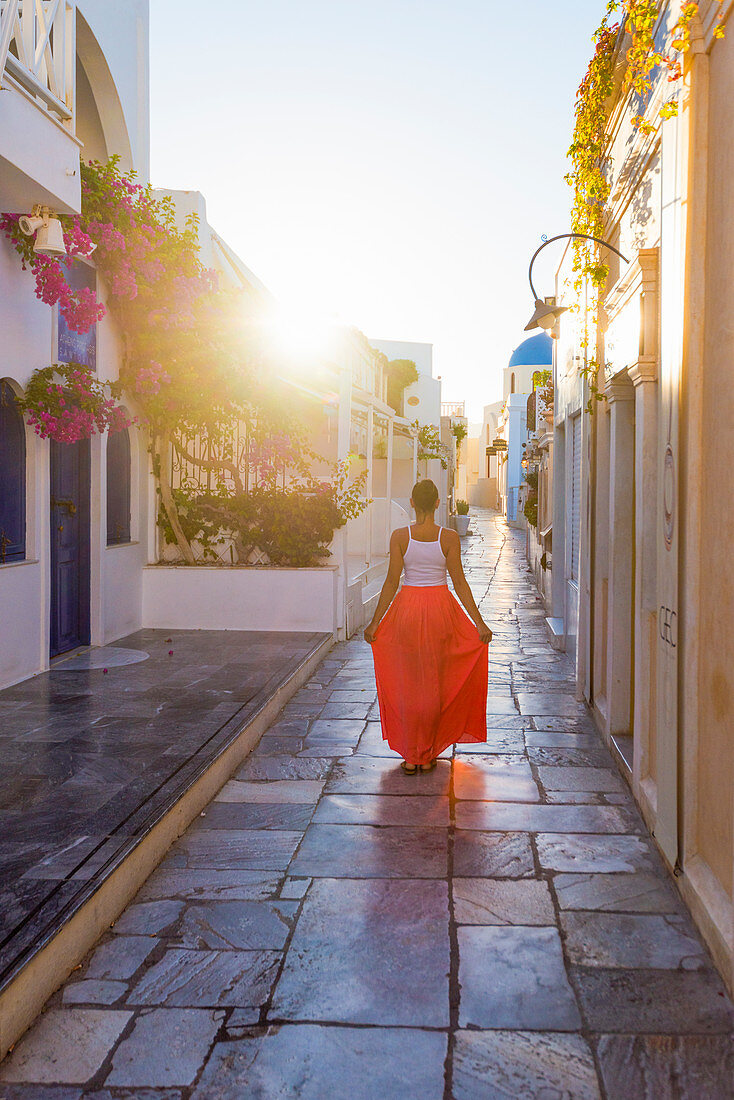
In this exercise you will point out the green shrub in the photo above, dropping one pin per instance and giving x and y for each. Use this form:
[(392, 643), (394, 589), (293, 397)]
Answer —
[(462, 508)]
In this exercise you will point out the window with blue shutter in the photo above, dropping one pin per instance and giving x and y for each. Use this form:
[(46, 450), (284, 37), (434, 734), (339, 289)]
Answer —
[(118, 487), (12, 477)]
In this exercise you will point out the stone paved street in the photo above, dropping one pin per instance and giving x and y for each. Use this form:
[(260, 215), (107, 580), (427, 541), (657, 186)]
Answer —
[(499, 928)]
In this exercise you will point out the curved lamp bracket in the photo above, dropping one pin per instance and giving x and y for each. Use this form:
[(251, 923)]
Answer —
[(564, 236)]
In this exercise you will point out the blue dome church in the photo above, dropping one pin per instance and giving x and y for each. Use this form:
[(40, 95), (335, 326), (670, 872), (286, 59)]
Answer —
[(535, 353)]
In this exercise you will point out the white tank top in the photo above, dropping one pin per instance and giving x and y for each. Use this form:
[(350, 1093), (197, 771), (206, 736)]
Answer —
[(424, 562)]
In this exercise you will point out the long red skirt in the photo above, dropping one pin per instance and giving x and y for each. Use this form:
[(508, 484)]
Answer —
[(431, 671)]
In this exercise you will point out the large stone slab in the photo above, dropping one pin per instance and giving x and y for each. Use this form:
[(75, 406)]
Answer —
[(626, 893), (492, 855), (475, 778), (207, 979), (234, 926), (505, 816), (284, 790), (667, 1067), (580, 779), (65, 1046), (93, 992), (502, 901), (167, 1047), (369, 952), (378, 775), (365, 851), (505, 1065), (283, 769), (238, 850), (600, 854), (313, 1063), (646, 940), (210, 885), (120, 957), (550, 703), (514, 978), (371, 809), (292, 817), (654, 1001)]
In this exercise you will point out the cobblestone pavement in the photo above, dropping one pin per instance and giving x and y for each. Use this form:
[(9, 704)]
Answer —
[(499, 928)]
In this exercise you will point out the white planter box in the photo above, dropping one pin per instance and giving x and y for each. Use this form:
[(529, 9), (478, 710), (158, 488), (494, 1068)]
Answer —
[(202, 597), (462, 525)]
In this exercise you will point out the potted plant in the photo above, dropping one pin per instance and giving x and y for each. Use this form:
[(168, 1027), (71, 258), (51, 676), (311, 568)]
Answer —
[(462, 517)]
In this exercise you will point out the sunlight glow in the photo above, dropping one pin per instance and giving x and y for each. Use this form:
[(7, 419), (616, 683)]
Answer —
[(300, 340)]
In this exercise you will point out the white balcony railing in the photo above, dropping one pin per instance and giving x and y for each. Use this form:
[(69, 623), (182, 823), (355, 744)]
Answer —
[(38, 52)]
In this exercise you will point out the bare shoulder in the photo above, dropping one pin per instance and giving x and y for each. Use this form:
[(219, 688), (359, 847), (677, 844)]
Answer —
[(450, 539), (399, 539)]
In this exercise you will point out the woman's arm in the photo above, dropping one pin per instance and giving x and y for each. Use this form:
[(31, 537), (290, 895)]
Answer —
[(389, 588), (461, 585)]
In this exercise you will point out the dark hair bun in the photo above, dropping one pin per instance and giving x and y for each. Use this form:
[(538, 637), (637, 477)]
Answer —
[(425, 495)]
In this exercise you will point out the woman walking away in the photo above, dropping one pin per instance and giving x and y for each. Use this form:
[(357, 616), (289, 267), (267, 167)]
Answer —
[(431, 661)]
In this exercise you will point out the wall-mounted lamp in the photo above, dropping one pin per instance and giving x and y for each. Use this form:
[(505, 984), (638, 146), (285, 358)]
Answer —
[(547, 313), (48, 231)]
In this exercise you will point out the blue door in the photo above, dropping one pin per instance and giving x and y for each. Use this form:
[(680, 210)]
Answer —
[(69, 546)]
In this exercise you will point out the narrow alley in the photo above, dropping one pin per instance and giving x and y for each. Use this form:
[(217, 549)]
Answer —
[(501, 927)]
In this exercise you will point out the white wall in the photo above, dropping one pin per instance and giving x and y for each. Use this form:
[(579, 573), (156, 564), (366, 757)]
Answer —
[(211, 598), (121, 65)]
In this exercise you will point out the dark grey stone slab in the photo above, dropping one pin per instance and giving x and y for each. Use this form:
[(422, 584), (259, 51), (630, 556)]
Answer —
[(655, 1001), (370, 809), (313, 1063), (249, 815), (93, 992), (625, 893), (167, 1047), (492, 855), (544, 818), (342, 711), (560, 739), (667, 1067), (369, 952), (340, 728), (272, 792), (228, 850), (564, 757), (207, 979), (580, 779), (550, 703), (234, 926), (502, 901), (66, 1046), (514, 978), (120, 957), (365, 851), (259, 768), (628, 940), (355, 695), (505, 1065), (600, 854), (210, 885), (149, 918), (376, 775)]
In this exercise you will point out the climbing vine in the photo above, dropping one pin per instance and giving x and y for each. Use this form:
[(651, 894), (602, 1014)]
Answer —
[(645, 59)]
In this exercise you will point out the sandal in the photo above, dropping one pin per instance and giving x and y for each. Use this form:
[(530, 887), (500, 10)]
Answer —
[(428, 767), (409, 769)]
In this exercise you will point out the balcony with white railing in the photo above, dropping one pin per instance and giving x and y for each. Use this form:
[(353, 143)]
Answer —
[(39, 153)]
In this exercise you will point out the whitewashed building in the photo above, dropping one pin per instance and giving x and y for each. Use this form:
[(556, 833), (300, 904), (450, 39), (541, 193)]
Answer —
[(74, 84), (643, 520)]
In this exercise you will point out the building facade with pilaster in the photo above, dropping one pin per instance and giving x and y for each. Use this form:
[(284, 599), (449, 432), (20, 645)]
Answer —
[(643, 523)]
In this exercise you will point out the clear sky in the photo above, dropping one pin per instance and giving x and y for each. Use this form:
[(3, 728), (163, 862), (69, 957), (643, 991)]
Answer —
[(390, 164)]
